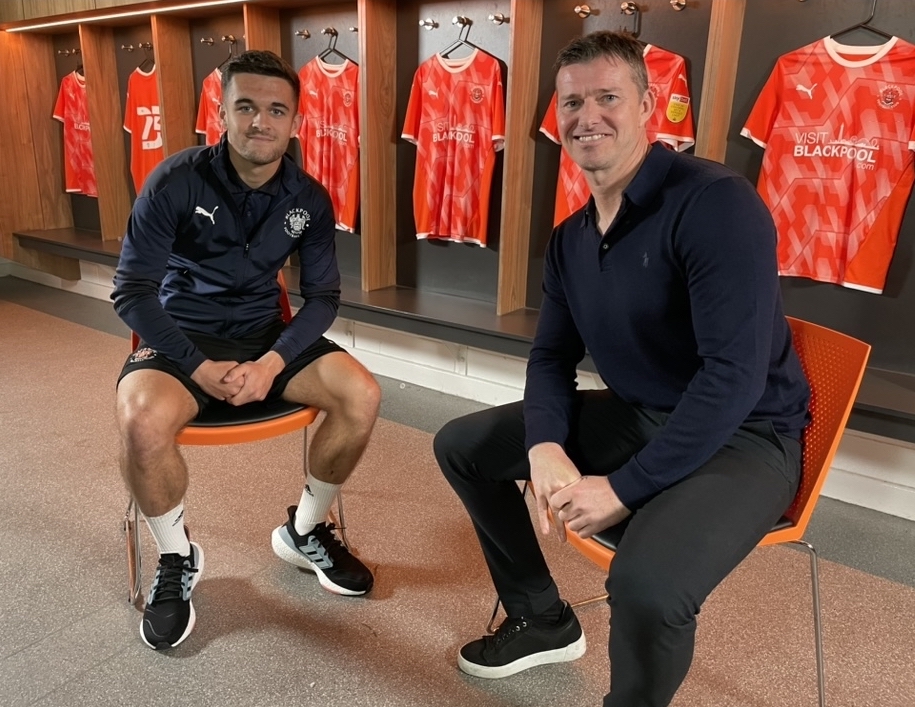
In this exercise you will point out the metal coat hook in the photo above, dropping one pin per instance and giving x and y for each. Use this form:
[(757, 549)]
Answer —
[(70, 52), (630, 8), (127, 47), (680, 4), (428, 23), (583, 11), (233, 45), (303, 33), (498, 18), (147, 46), (207, 40), (332, 43), (465, 23), (353, 29)]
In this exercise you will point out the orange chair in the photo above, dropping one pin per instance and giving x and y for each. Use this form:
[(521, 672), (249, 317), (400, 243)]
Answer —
[(227, 425), (834, 364)]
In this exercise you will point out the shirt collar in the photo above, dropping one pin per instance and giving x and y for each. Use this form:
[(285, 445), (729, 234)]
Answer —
[(646, 183), (227, 173)]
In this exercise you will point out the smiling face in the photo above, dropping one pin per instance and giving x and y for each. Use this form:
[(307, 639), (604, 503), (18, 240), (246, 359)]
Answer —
[(261, 116), (602, 114)]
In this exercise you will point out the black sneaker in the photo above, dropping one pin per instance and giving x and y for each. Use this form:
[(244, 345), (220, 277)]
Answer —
[(320, 551), (169, 616), (522, 643)]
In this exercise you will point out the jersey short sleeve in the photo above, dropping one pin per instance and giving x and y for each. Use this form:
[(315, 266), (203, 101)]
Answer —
[(329, 135), (456, 119), (72, 109), (141, 120), (208, 123), (837, 124)]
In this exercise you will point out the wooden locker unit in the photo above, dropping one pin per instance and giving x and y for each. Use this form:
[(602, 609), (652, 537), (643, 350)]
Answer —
[(389, 43), (378, 51), (106, 118), (171, 37)]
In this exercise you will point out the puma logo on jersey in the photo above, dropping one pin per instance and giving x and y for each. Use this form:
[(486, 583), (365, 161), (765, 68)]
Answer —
[(312, 92), (433, 93), (804, 89), (681, 77), (208, 214)]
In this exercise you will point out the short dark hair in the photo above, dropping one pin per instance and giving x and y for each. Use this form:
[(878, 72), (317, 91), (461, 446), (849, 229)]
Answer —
[(621, 46), (262, 63)]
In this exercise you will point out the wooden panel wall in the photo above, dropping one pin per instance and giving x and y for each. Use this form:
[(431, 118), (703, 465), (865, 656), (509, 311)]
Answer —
[(171, 38), (11, 11), (44, 8), (378, 131), (107, 120), (20, 196), (262, 28), (521, 113), (47, 147), (720, 76)]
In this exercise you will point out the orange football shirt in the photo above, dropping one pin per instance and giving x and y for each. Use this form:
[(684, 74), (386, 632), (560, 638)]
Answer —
[(208, 123), (671, 123), (72, 109), (456, 119), (141, 120), (838, 127), (329, 136)]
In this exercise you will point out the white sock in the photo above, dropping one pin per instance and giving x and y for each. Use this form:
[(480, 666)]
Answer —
[(168, 530), (317, 498)]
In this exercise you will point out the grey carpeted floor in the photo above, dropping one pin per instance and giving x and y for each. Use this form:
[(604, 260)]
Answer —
[(268, 635)]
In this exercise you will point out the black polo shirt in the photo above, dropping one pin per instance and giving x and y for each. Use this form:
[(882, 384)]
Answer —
[(679, 305)]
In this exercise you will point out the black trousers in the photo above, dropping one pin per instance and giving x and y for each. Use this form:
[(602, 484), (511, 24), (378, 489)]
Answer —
[(674, 551)]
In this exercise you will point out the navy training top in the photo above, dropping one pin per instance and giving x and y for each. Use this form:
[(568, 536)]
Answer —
[(202, 253), (680, 308)]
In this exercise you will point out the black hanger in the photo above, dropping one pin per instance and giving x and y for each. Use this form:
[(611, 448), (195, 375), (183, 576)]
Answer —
[(148, 63), (864, 25), (332, 46), (233, 45), (461, 41)]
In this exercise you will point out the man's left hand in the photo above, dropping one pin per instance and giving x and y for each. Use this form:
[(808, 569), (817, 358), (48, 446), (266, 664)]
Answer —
[(588, 506), (258, 377)]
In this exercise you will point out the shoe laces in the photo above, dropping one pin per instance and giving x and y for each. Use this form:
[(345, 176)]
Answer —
[(509, 629), (172, 578), (324, 533)]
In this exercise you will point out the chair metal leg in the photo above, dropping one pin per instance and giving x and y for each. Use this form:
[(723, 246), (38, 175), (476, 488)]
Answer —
[(817, 624), (134, 560), (341, 526), (592, 600)]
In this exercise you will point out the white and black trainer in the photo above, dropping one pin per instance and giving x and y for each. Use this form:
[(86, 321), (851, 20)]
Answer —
[(169, 615), (319, 551)]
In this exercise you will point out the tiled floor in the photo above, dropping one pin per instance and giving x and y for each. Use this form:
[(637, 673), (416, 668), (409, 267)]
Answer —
[(267, 635)]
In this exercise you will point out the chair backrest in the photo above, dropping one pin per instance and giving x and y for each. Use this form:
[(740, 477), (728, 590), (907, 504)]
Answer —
[(834, 364), (285, 309)]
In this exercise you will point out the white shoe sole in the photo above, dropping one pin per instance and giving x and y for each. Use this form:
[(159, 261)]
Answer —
[(192, 619), (294, 557), (573, 651)]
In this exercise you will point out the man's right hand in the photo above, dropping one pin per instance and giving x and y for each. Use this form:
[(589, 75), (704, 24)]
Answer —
[(551, 470), (210, 375)]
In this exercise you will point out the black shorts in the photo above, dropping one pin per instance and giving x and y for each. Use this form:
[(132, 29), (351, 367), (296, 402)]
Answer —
[(248, 348)]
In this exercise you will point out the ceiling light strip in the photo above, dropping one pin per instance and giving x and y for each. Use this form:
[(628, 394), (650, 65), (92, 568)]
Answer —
[(127, 13)]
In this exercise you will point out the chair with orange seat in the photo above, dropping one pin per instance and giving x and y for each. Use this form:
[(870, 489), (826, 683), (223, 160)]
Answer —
[(223, 425), (834, 364)]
